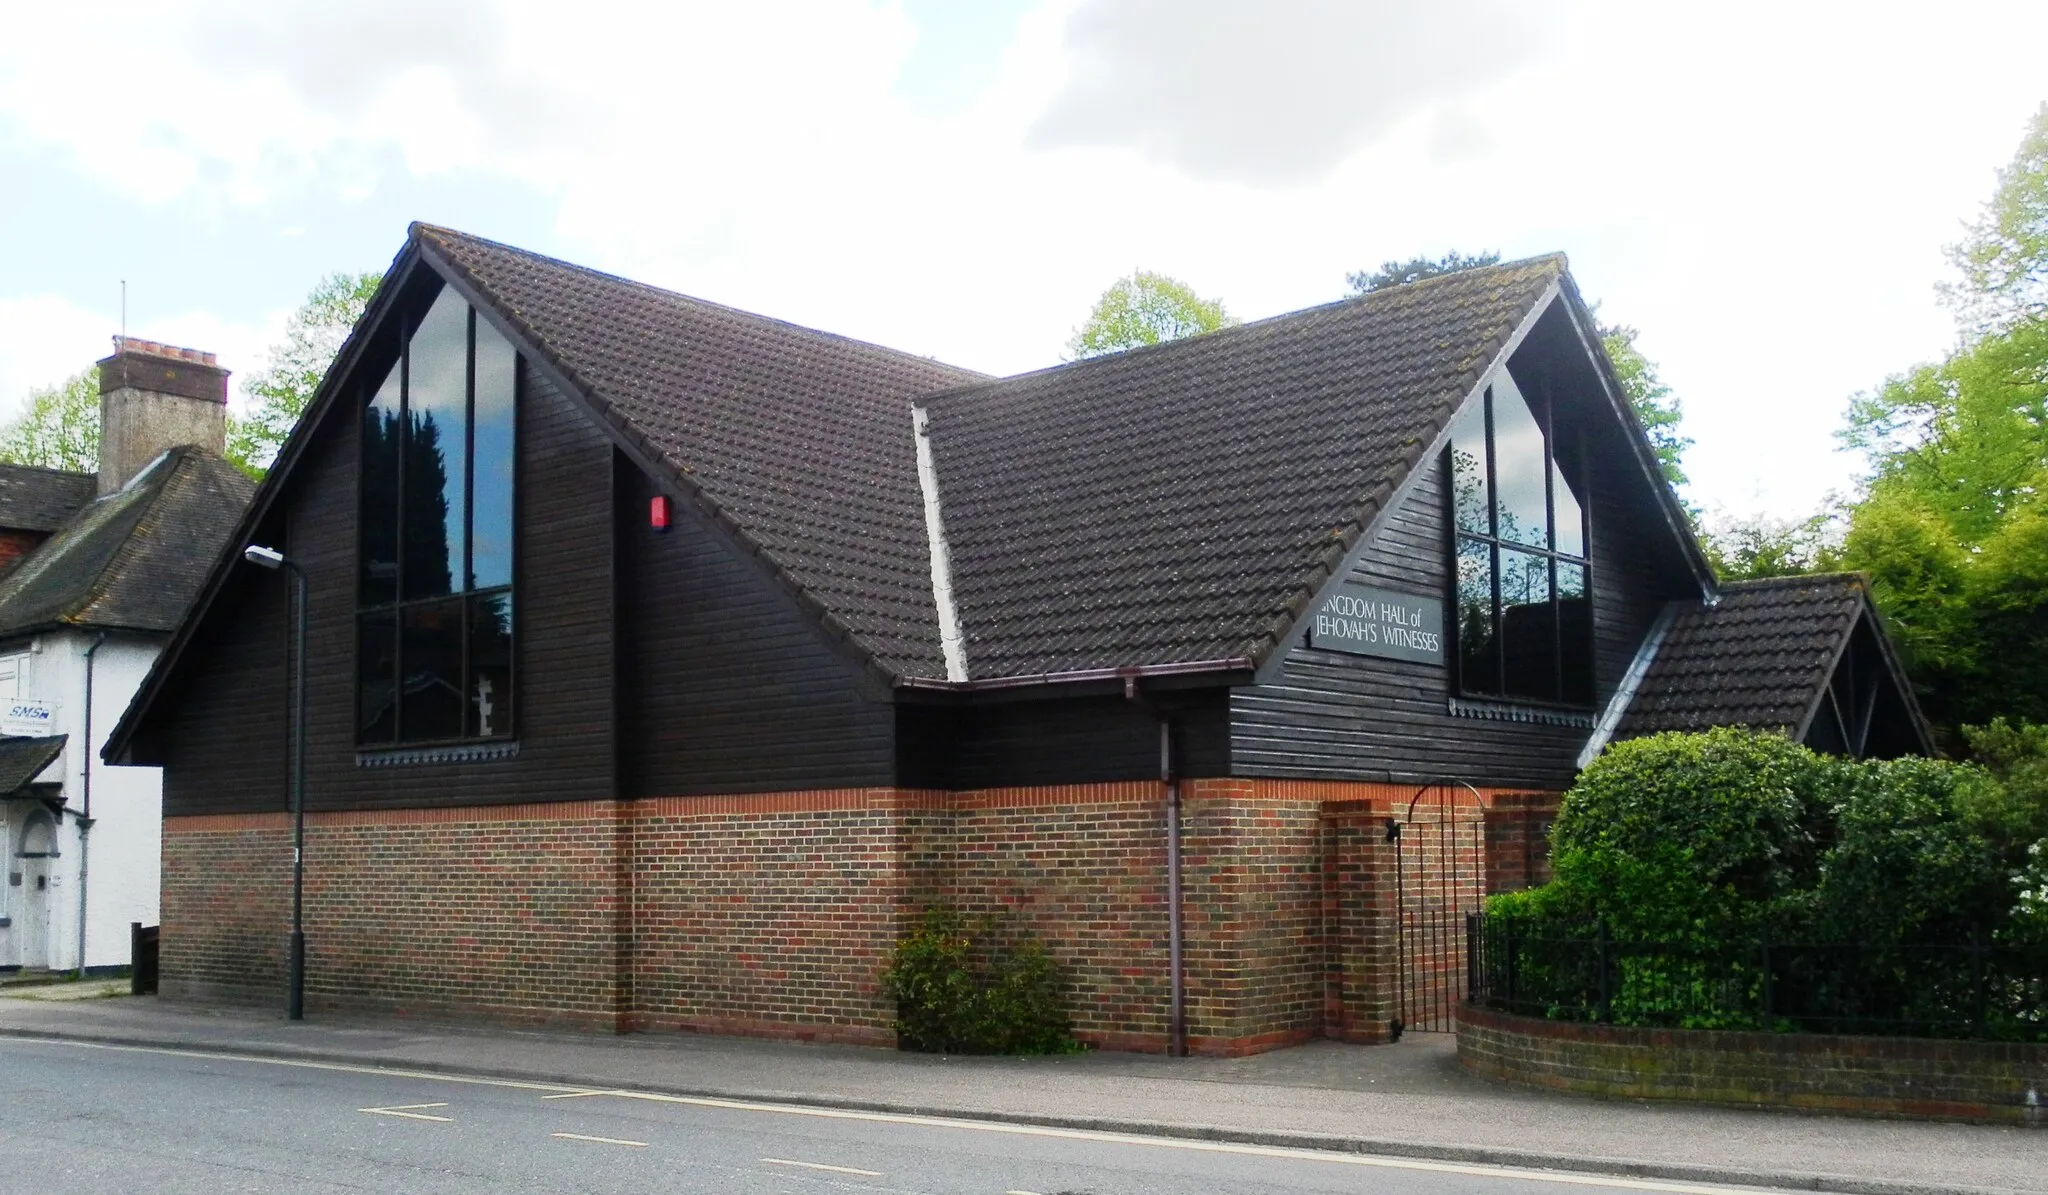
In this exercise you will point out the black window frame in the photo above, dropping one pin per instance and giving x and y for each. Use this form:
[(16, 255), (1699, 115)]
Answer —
[(461, 574), (1495, 688)]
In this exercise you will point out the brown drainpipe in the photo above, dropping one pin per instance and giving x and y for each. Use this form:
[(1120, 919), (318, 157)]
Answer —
[(1177, 1025)]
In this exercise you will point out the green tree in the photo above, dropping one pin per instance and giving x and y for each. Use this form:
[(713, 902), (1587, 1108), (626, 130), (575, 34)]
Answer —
[(1750, 549), (2004, 258), (1952, 524), (280, 392), (1146, 308), (59, 428), (1415, 269), (1655, 405)]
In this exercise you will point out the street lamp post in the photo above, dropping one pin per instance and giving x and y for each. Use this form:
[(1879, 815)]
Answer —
[(295, 990)]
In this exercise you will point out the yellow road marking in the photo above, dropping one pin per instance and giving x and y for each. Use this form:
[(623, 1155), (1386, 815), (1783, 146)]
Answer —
[(823, 1166), (404, 1110), (599, 1140), (979, 1126)]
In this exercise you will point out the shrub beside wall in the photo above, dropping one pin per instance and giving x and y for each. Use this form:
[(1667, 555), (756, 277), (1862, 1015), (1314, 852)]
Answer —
[(960, 988)]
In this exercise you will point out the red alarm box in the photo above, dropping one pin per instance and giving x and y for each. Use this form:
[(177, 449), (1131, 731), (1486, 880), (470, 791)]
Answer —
[(657, 512)]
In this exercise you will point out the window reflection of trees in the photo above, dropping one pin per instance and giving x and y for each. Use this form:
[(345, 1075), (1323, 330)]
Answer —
[(1524, 621), (435, 622)]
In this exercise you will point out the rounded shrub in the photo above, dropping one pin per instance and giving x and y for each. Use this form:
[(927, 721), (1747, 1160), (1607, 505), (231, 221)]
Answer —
[(961, 988), (1690, 837)]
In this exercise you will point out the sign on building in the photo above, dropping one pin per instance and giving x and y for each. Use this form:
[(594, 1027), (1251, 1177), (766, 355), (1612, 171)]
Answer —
[(1365, 621), (27, 716)]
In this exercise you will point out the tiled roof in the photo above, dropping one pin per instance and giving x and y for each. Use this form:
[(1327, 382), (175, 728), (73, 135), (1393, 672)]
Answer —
[(1756, 659), (33, 499), (21, 760), (1172, 504), (800, 441), (135, 558), (1183, 502)]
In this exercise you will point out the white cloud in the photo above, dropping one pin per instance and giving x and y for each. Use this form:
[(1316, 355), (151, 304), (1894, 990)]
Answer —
[(45, 340), (1762, 188), (1278, 92)]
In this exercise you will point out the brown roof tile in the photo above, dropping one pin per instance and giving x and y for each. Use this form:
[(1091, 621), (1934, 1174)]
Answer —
[(1757, 658)]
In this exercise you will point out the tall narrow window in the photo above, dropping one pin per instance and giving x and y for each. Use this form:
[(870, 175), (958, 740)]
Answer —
[(1524, 621), (434, 655)]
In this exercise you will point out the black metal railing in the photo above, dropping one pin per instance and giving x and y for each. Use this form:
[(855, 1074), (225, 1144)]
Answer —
[(1971, 989)]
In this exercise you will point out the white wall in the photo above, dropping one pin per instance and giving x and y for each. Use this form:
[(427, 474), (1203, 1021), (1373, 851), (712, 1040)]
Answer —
[(124, 859)]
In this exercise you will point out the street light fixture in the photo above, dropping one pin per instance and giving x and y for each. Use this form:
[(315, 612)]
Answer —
[(295, 991)]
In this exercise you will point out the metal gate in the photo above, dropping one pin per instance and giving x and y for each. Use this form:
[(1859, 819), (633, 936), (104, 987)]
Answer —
[(1439, 877)]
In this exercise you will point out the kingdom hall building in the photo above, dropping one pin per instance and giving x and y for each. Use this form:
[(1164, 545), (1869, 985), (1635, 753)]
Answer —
[(666, 661)]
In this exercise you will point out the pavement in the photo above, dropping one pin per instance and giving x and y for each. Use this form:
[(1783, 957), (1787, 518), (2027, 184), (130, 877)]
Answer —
[(1409, 1100)]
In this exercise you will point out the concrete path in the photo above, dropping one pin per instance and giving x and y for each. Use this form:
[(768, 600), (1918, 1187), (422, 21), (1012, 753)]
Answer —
[(1406, 1100)]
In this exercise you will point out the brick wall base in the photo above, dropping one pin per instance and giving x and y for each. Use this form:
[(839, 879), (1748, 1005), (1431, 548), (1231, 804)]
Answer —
[(1877, 1076), (775, 914)]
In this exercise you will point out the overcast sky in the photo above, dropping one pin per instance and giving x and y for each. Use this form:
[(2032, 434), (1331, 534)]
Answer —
[(1764, 190)]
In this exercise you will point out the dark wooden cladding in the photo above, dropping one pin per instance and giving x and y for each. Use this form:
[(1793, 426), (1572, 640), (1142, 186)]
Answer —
[(1087, 740), (725, 684), (563, 607), (1330, 715), (225, 743)]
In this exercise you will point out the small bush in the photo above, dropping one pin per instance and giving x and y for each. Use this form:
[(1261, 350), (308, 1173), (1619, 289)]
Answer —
[(959, 989)]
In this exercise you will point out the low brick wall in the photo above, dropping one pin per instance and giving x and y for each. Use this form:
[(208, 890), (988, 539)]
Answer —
[(1878, 1076)]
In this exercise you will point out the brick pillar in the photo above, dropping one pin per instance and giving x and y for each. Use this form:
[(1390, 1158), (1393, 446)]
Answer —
[(1518, 840), (1359, 907)]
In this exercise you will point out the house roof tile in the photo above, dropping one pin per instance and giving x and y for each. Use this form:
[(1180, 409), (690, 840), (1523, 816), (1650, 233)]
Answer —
[(135, 558), (22, 760), (36, 499)]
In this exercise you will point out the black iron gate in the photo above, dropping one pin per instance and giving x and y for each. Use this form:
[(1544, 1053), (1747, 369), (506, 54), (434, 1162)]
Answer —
[(1439, 878)]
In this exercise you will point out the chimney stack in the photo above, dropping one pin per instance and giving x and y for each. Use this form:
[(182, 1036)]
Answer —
[(155, 397)]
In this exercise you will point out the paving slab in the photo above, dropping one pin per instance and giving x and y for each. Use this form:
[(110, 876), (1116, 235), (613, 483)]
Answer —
[(1409, 1099)]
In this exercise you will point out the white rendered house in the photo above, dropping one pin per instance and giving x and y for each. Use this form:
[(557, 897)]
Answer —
[(95, 572)]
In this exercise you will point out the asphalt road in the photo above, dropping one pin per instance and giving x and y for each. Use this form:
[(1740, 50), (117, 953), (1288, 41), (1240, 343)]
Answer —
[(84, 1118)]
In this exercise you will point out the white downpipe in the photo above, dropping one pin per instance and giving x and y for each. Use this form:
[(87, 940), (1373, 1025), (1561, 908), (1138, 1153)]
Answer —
[(951, 643)]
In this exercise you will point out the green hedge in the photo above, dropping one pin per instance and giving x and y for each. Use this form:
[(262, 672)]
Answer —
[(1702, 839), (1690, 852)]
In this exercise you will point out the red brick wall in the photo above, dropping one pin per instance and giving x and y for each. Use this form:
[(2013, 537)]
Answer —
[(226, 907), (1518, 840), (770, 914), (510, 911), (1885, 1076), (1084, 868), (775, 913), (16, 544)]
